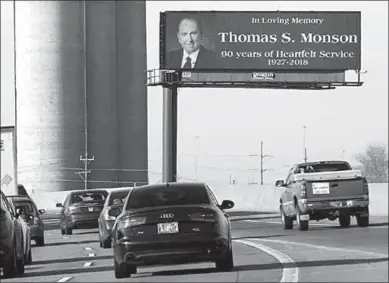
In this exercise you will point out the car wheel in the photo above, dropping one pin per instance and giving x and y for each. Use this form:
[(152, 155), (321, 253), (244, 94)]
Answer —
[(344, 220), (227, 263), (20, 263), (124, 270), (363, 218), (9, 269), (29, 257), (106, 244), (302, 225), (40, 241), (287, 222), (68, 231)]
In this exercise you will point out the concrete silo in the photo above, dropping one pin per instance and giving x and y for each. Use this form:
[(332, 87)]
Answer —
[(51, 104), (50, 87), (132, 91), (102, 92)]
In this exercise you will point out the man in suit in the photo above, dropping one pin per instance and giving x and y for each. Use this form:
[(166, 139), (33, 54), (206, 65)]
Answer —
[(192, 55)]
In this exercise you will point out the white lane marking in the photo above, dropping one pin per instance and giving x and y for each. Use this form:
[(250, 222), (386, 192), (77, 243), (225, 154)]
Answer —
[(64, 279), (91, 255), (64, 237), (289, 274), (313, 224), (321, 247), (275, 222), (87, 264), (88, 248), (48, 234)]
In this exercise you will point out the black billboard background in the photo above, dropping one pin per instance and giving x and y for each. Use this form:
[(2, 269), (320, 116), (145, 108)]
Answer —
[(241, 22)]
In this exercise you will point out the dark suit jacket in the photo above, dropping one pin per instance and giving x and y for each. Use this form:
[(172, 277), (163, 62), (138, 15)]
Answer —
[(205, 60)]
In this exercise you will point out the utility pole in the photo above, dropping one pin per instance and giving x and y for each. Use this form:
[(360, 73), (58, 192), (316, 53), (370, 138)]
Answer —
[(262, 157), (86, 160), (304, 146), (84, 174)]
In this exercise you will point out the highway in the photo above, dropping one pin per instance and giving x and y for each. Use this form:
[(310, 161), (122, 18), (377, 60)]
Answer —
[(263, 252)]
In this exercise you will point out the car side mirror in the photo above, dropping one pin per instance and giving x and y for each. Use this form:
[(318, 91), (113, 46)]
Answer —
[(59, 205), (227, 204), (280, 183), (114, 212), (41, 211)]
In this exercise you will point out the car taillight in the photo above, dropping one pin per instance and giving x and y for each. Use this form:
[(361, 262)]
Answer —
[(365, 187), (303, 191), (107, 216), (128, 222), (203, 216), (74, 210), (35, 220)]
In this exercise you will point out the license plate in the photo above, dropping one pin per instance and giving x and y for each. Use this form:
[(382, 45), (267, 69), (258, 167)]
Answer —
[(321, 188), (168, 228)]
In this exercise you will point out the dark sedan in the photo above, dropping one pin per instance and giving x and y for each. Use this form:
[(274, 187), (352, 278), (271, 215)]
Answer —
[(81, 209), (115, 200), (173, 223), (32, 215), (11, 240)]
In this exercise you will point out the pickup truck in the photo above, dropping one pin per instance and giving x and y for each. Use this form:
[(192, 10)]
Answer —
[(324, 189)]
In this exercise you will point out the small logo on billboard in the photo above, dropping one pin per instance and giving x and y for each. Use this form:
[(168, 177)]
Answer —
[(263, 76), (186, 75), (6, 180)]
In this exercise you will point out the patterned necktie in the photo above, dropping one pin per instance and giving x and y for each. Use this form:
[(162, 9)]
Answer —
[(188, 63)]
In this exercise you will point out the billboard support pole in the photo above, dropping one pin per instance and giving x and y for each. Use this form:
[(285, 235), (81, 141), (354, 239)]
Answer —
[(169, 155)]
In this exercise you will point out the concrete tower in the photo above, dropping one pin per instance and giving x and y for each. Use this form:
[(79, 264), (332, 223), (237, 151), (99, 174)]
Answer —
[(56, 121)]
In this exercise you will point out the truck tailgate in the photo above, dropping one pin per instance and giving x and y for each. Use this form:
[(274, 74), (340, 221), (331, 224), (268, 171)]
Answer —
[(335, 189)]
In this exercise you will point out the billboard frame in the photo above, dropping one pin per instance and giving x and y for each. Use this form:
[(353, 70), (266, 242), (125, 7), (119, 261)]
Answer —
[(173, 78)]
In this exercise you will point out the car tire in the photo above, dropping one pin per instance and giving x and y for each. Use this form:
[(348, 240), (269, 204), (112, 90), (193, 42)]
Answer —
[(302, 225), (20, 264), (363, 220), (124, 270), (62, 231), (344, 220), (287, 221), (106, 244), (29, 258), (68, 231), (227, 263), (9, 270), (40, 241)]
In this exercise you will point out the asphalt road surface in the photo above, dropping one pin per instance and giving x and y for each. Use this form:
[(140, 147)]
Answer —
[(263, 252)]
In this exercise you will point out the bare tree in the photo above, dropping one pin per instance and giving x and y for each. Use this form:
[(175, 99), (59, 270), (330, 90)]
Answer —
[(374, 163)]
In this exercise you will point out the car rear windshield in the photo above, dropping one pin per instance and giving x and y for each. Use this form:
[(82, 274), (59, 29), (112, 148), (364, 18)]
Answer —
[(324, 167), (118, 198), (89, 197), (165, 196), (25, 205)]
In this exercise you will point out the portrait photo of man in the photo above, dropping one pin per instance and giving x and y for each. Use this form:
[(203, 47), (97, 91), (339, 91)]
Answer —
[(192, 54)]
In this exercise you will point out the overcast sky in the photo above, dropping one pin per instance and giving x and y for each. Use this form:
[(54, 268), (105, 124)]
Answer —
[(234, 121), (230, 123)]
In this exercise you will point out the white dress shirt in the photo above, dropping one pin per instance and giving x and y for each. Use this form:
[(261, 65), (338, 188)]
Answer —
[(192, 56)]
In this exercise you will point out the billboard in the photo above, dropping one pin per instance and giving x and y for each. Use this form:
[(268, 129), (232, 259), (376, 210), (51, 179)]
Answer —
[(273, 41)]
